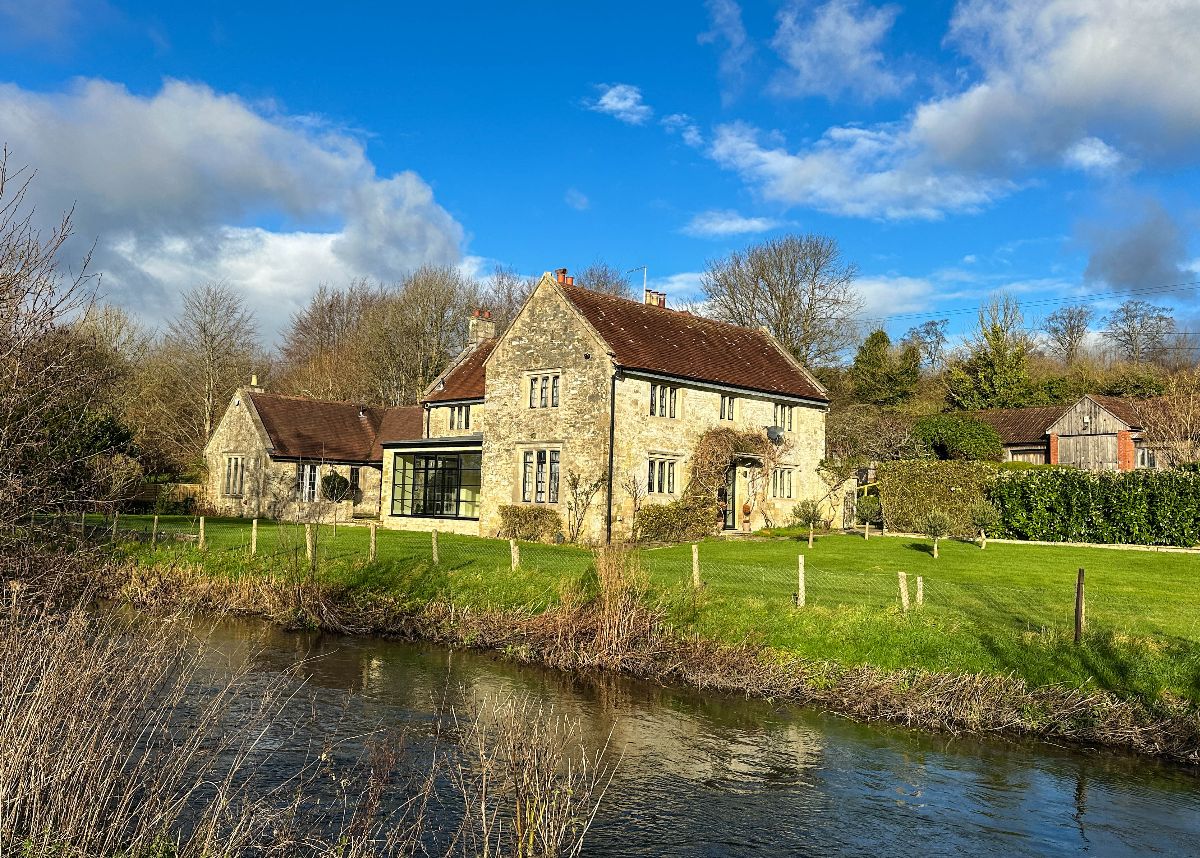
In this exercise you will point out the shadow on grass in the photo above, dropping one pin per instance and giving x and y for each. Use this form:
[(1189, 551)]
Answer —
[(923, 547)]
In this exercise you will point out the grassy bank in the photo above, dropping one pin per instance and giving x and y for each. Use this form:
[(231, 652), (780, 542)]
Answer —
[(1004, 612)]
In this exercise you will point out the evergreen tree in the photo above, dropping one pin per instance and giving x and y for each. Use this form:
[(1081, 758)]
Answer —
[(883, 375), (995, 372)]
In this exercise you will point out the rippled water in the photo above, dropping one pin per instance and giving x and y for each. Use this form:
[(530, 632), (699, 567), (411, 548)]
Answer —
[(716, 775)]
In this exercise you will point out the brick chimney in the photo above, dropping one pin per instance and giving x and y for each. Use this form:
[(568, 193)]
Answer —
[(480, 326), (560, 274), (254, 388), (656, 299)]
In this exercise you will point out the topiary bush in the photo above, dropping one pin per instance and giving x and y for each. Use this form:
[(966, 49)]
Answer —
[(956, 436), (335, 487), (530, 523), (909, 490), (868, 510), (677, 521)]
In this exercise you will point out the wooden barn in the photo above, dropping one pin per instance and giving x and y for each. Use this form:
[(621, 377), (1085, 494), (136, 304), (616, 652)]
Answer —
[(1097, 433)]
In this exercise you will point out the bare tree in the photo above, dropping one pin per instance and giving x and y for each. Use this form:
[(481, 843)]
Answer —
[(55, 438), (580, 494), (210, 348), (1139, 329), (318, 346), (410, 336), (930, 340), (797, 286), (602, 277), (1066, 328), (505, 292), (1171, 422)]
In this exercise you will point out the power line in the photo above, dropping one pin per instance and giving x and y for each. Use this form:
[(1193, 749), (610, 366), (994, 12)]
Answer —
[(1038, 302)]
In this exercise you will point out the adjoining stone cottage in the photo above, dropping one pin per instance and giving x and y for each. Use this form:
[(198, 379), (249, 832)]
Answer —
[(269, 454), (617, 393)]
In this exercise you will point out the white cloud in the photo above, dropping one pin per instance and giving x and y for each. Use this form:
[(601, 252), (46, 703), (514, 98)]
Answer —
[(726, 222), (833, 50), (1053, 81), (887, 295), (623, 101), (1092, 155), (738, 50), (681, 288), (576, 199), (685, 127), (188, 185)]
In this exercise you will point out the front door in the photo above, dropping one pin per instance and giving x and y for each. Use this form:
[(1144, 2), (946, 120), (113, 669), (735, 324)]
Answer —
[(727, 500)]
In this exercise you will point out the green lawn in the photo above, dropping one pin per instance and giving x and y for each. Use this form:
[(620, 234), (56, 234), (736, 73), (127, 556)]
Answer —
[(1007, 609)]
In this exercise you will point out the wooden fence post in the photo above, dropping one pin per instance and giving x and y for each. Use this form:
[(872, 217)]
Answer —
[(866, 530), (253, 536), (116, 518), (903, 577), (1079, 606), (435, 547), (83, 523), (696, 566), (154, 533), (310, 546), (201, 542), (800, 594), (515, 551), (920, 591), (371, 550)]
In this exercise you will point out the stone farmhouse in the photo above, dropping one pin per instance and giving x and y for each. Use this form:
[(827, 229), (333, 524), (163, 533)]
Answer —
[(269, 453), (613, 392), (610, 391), (1097, 433)]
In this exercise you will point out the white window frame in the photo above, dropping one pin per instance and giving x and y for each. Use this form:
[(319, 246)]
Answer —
[(727, 401), (783, 416), (781, 483), (308, 481), (460, 417), (235, 476)]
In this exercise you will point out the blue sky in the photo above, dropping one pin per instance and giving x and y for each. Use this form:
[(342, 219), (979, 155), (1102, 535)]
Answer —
[(1048, 148)]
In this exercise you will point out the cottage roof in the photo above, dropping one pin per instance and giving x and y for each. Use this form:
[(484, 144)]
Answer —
[(1022, 425), (674, 343), (301, 428), (464, 378)]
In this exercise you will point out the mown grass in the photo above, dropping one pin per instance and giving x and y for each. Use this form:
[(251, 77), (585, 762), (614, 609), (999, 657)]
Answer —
[(1007, 609)]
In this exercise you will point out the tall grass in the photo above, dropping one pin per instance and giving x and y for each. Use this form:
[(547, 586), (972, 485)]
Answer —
[(120, 737)]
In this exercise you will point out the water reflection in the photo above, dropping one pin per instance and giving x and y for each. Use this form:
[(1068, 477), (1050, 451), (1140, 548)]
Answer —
[(704, 775)]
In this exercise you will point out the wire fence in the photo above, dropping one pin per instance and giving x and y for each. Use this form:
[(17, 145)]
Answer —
[(1025, 589)]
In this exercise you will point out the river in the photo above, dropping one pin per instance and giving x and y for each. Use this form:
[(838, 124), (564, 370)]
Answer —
[(704, 774)]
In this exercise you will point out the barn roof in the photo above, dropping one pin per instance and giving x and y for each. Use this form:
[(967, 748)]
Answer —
[(1022, 425)]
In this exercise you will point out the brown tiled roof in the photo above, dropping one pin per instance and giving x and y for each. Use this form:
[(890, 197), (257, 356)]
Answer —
[(1123, 409), (465, 379), (302, 428), (665, 341), (1022, 425), (398, 424)]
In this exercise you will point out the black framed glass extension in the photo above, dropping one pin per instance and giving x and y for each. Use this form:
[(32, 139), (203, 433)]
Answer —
[(436, 485)]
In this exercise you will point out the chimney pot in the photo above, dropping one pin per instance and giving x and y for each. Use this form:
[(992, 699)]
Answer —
[(560, 274), (570, 281)]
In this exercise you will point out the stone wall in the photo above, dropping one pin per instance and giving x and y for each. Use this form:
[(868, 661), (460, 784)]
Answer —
[(547, 337), (641, 436), (439, 421)]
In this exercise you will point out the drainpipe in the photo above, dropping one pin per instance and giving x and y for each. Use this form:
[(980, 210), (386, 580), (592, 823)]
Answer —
[(612, 428)]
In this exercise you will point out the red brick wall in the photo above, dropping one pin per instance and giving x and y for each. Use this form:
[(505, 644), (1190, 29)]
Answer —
[(1053, 449), (1125, 451)]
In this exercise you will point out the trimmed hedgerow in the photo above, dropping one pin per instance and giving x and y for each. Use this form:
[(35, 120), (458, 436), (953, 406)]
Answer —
[(909, 490), (956, 436), (1067, 505), (683, 520), (530, 523)]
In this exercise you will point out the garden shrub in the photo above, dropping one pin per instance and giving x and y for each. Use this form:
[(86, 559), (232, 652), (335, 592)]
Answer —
[(908, 490), (530, 523), (868, 510), (956, 436), (677, 521), (335, 487), (1068, 505)]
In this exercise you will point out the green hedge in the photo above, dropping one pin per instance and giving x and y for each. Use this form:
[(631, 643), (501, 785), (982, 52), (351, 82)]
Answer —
[(530, 523), (956, 436), (1067, 505), (677, 521), (909, 490)]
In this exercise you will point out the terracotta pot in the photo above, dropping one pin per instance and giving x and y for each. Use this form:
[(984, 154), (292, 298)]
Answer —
[(746, 510)]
